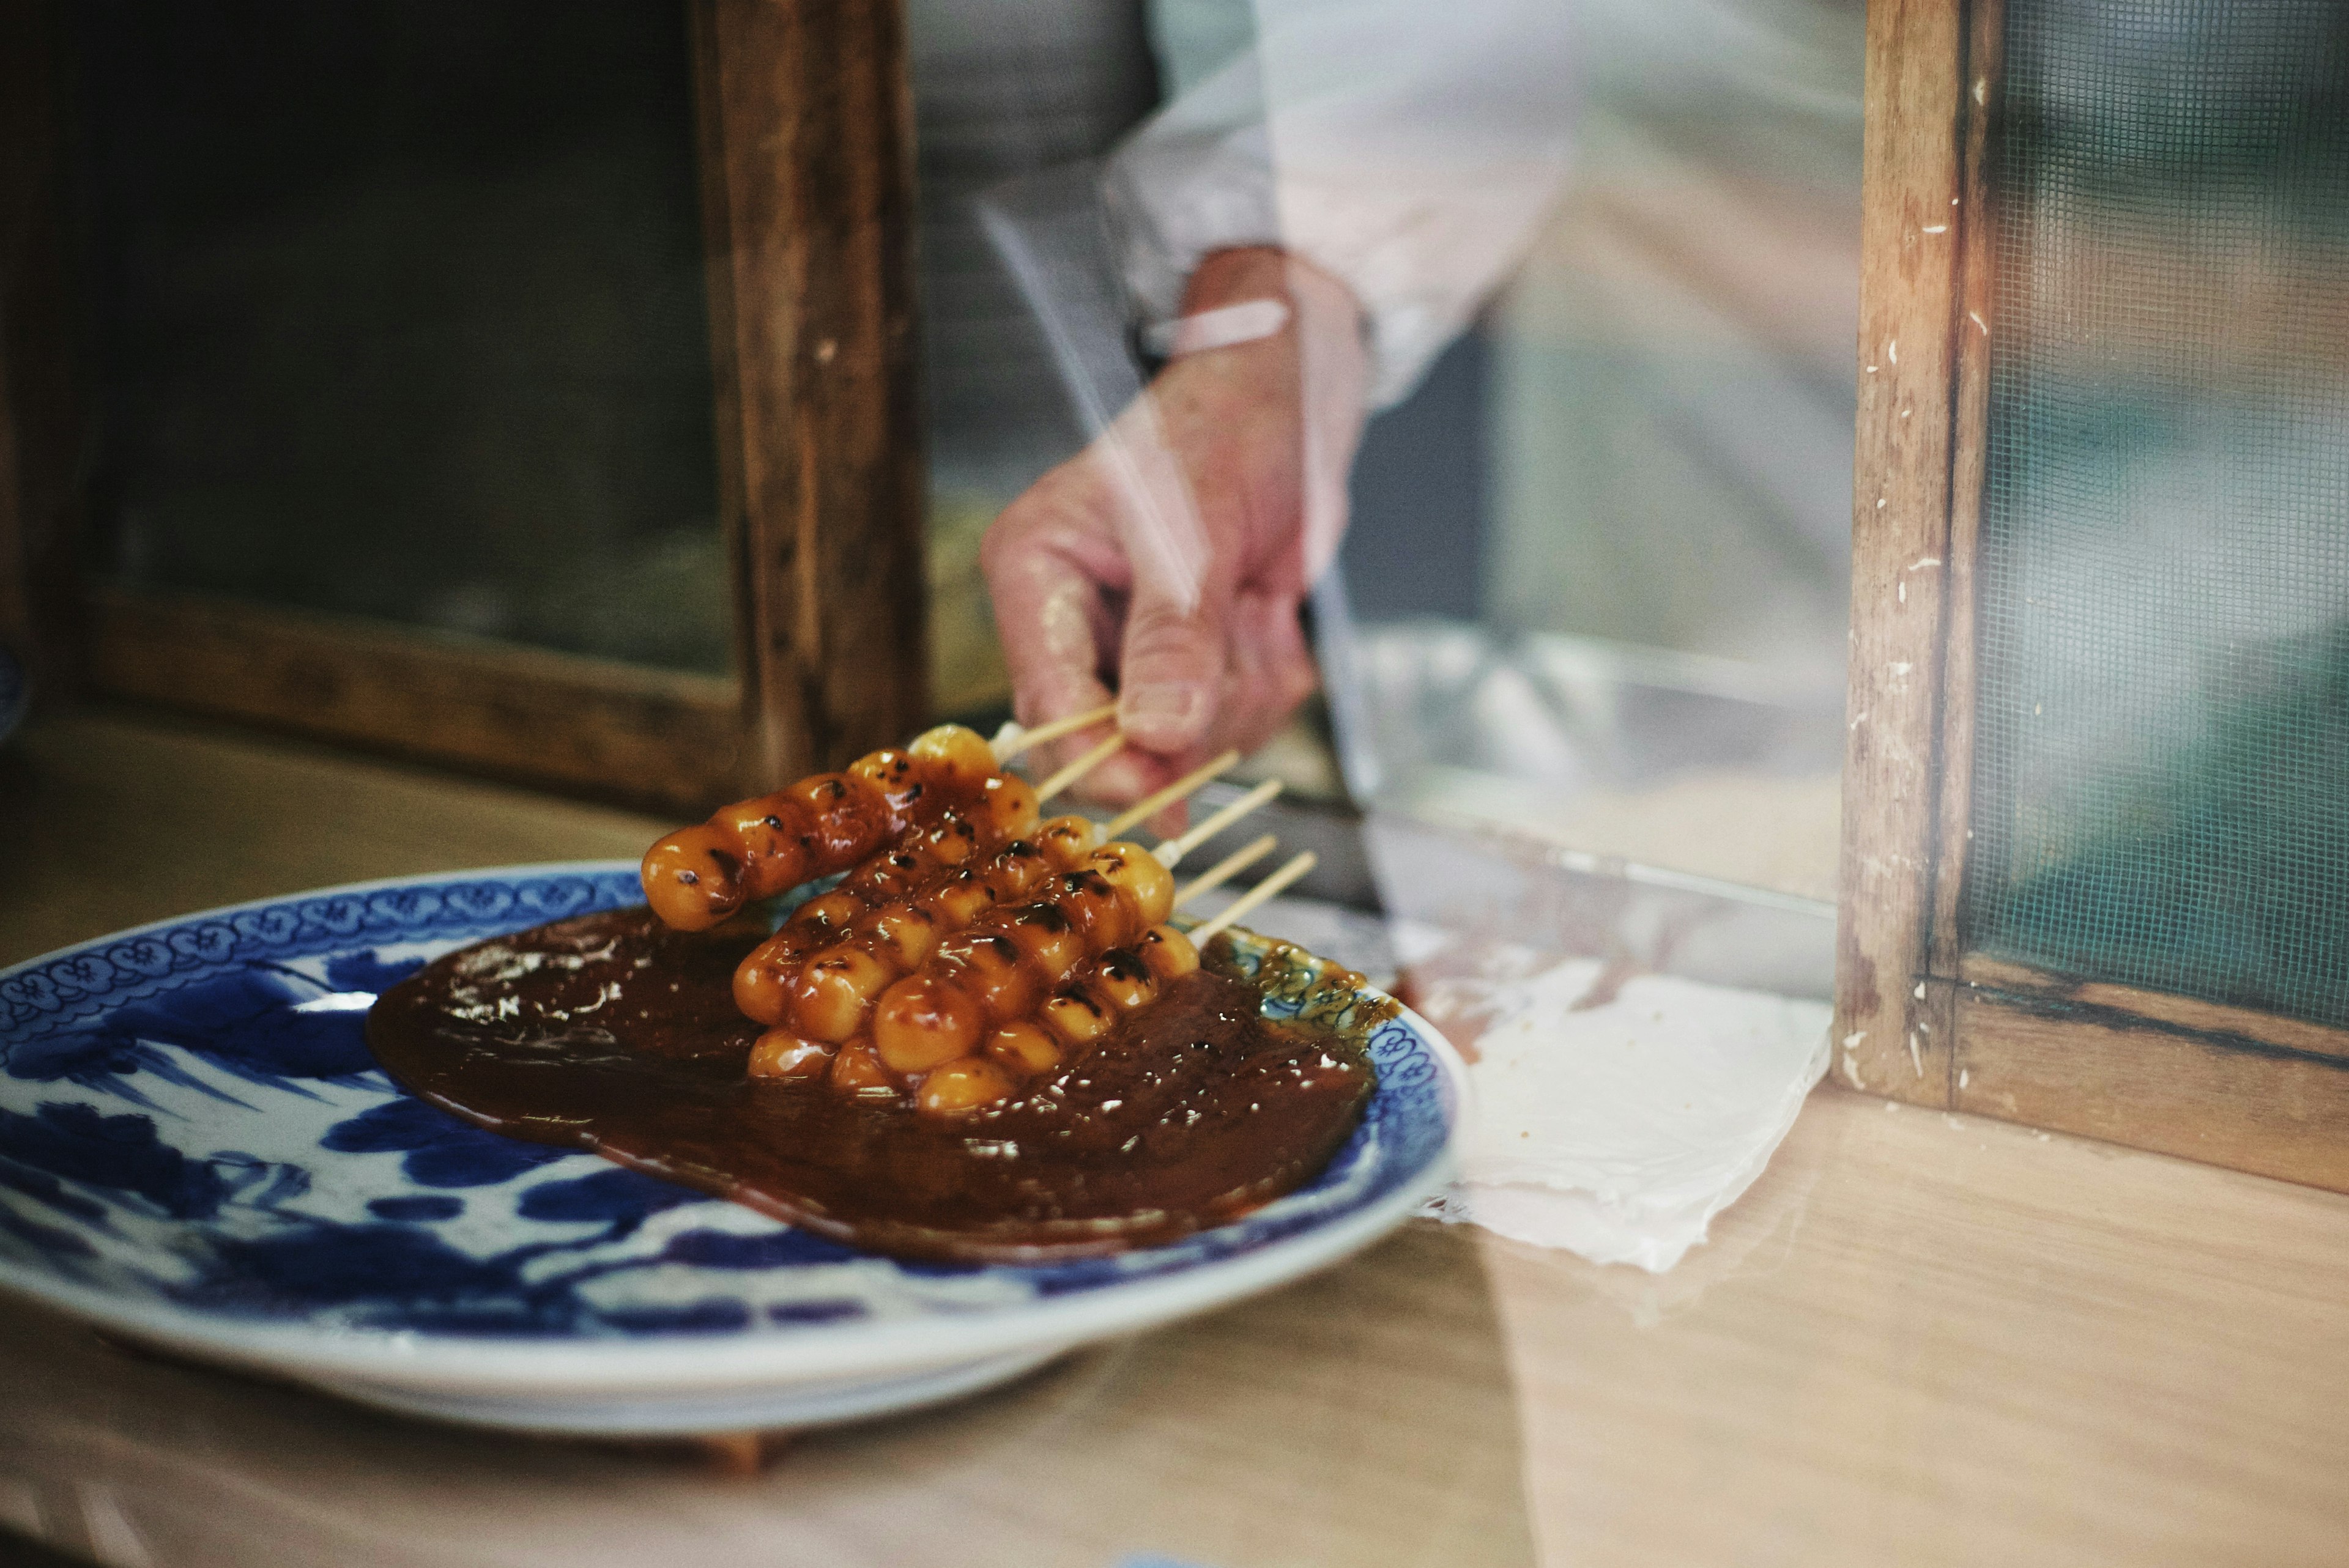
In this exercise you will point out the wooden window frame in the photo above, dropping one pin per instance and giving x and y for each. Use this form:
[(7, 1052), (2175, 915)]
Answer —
[(1920, 1018), (804, 130)]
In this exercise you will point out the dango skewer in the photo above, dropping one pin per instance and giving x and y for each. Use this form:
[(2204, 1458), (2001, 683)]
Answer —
[(963, 964), (1020, 992), (1045, 976), (828, 823), (824, 968), (822, 974)]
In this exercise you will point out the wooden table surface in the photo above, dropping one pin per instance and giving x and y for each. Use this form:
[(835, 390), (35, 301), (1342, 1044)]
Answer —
[(1920, 1340)]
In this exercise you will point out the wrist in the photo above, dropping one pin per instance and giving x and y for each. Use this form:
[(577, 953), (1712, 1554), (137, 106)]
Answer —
[(1317, 301), (1315, 370), (1258, 300)]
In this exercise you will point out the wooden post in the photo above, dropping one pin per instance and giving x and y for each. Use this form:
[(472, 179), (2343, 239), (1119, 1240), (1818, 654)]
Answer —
[(807, 143), (1969, 449), (1886, 1040)]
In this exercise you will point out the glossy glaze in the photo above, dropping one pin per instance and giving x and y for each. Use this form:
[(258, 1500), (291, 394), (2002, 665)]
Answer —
[(610, 1032)]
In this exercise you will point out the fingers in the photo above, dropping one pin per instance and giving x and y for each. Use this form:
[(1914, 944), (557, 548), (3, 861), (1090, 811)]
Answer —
[(1171, 670), (1052, 567), (1059, 578), (1227, 670), (1165, 564), (1264, 670), (1270, 670)]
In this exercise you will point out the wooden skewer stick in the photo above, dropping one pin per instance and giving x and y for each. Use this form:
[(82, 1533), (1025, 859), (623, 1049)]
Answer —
[(1011, 739), (1247, 901), (1151, 805), (1078, 769), (1223, 870), (1174, 849)]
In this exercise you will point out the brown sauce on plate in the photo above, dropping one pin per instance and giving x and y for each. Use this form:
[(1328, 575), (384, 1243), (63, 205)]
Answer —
[(612, 1033)]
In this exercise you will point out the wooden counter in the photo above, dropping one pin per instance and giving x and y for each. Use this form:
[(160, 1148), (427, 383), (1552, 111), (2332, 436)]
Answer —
[(1921, 1339)]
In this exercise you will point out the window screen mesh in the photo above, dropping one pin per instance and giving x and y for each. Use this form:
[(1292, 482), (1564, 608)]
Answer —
[(2162, 759)]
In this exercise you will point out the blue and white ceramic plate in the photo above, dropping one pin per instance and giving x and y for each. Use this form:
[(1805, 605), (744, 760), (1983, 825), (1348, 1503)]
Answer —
[(196, 1149)]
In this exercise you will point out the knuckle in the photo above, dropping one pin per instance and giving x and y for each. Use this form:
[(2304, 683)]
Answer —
[(1159, 633)]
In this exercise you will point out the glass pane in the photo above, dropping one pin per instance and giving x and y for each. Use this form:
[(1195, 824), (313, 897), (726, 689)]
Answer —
[(1600, 559), (1598, 541), (2165, 571), (1588, 294), (400, 313), (1004, 92)]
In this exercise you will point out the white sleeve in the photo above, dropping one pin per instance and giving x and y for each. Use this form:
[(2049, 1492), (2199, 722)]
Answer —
[(1407, 147)]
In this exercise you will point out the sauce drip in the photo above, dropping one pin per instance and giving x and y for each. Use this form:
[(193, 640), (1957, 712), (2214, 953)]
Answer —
[(613, 1033)]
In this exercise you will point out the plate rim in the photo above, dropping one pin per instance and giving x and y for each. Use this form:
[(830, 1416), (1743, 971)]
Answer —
[(406, 1357)]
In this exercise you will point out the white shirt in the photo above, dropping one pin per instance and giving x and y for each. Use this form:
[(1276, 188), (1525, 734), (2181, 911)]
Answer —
[(1409, 148)]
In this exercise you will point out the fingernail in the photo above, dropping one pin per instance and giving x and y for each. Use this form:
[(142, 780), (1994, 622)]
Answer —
[(1147, 710)]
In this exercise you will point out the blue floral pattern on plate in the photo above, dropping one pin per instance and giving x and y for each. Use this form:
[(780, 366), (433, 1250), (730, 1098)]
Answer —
[(191, 1121)]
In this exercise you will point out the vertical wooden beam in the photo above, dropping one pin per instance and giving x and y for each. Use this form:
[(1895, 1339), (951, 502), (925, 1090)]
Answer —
[(1909, 237), (808, 128), (1969, 449), (725, 367)]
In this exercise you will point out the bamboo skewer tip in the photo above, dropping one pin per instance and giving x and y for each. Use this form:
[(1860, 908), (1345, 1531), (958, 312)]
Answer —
[(1249, 902), (1172, 851), (1084, 765), (1223, 870), (1150, 805), (1014, 738)]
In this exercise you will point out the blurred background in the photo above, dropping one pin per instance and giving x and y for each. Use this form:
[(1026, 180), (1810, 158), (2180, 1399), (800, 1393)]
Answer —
[(400, 314), (1598, 564), (398, 311)]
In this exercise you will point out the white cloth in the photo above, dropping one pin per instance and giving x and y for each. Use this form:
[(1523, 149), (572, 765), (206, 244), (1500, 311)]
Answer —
[(1614, 1127), (1408, 147), (1618, 1131)]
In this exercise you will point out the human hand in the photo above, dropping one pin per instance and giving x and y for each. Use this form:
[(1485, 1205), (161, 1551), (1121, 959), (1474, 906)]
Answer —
[(1167, 562)]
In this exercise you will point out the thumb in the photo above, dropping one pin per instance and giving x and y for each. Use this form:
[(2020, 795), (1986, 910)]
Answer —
[(1170, 667)]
